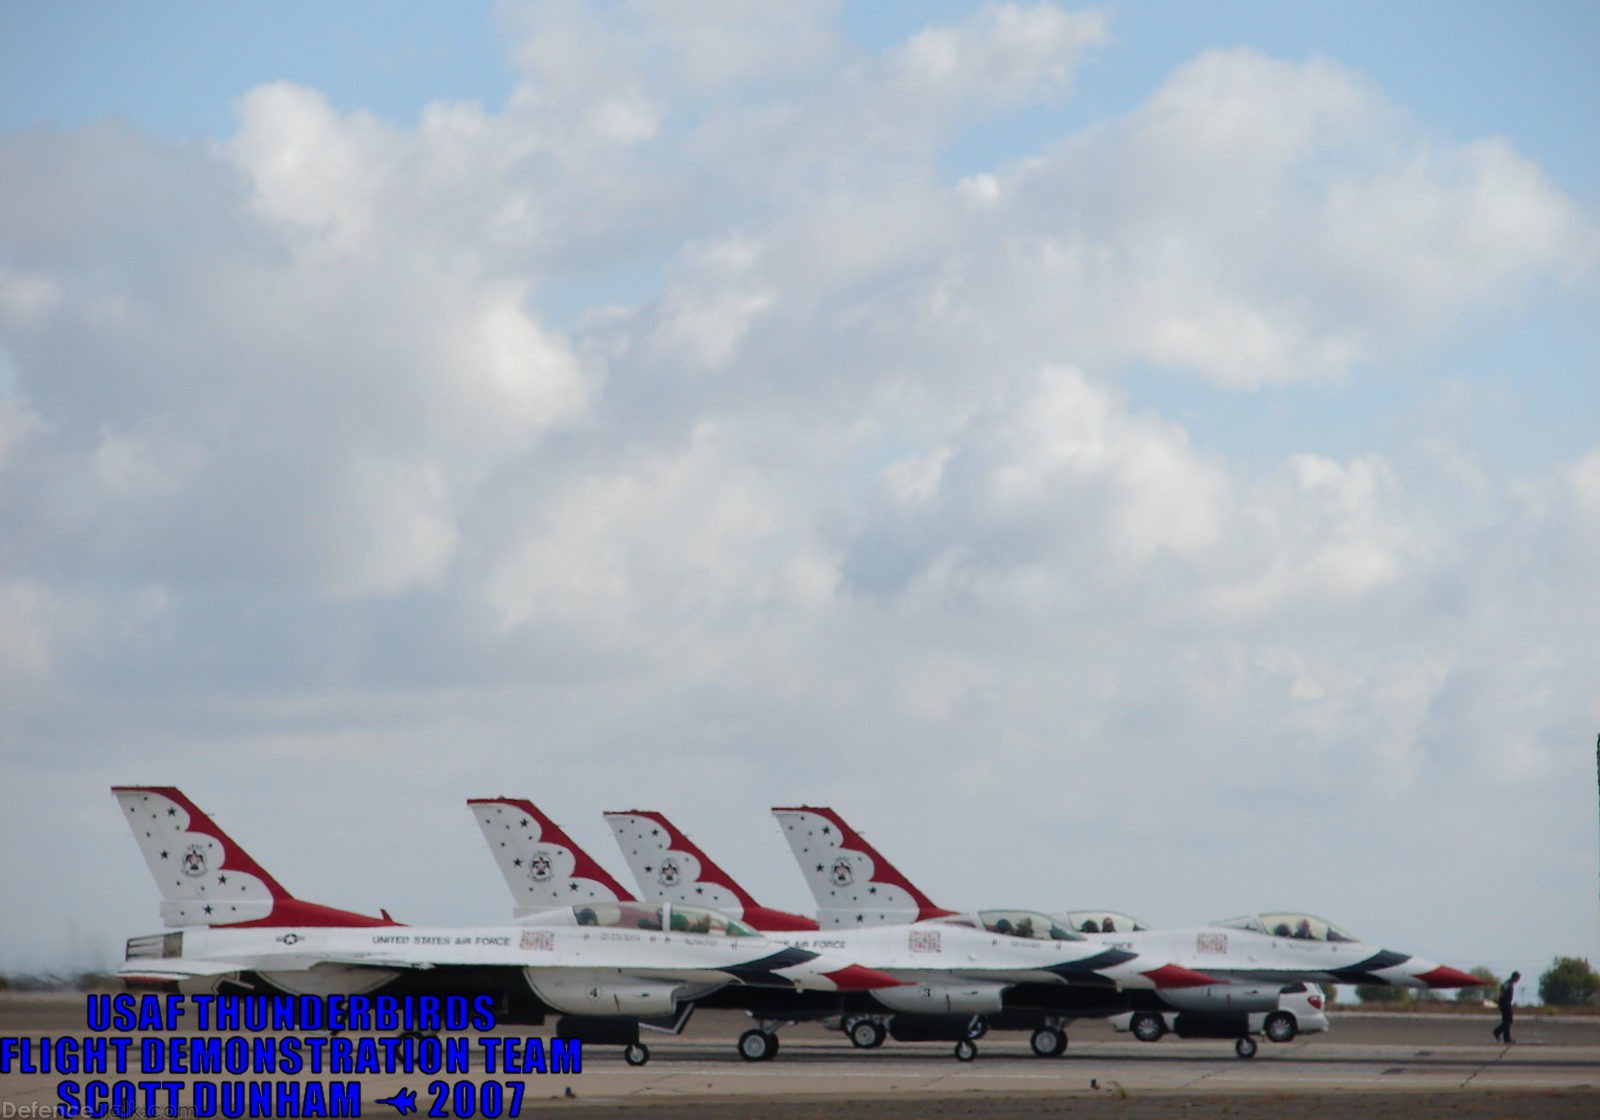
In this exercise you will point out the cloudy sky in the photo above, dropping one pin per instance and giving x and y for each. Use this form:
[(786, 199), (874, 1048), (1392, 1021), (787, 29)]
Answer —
[(1129, 456)]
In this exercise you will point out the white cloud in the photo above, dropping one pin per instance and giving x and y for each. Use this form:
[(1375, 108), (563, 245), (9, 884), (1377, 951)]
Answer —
[(843, 483), (1006, 54)]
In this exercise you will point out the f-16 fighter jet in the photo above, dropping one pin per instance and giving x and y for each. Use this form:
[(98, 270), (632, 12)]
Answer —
[(1269, 963), (241, 931), (1259, 954), (956, 970)]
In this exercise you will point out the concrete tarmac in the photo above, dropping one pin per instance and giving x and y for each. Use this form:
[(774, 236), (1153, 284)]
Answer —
[(1368, 1065)]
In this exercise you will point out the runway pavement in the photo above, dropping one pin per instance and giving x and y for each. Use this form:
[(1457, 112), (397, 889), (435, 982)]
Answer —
[(1368, 1065)]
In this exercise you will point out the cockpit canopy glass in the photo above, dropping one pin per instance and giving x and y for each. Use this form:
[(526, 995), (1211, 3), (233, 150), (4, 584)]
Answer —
[(652, 916), (1300, 927), (1100, 921), (1026, 923)]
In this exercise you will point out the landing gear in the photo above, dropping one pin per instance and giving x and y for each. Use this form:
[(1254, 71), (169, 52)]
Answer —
[(1280, 1027), (636, 1054), (1048, 1042), (979, 1028), (756, 1045), (1245, 1047), (867, 1034), (966, 1050), (1148, 1027)]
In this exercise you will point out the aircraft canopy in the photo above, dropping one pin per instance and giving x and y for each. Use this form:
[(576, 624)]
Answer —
[(1100, 921), (1026, 923), (655, 915), (1301, 927)]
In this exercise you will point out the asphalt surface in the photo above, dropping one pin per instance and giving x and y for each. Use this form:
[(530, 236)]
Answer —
[(1368, 1065)]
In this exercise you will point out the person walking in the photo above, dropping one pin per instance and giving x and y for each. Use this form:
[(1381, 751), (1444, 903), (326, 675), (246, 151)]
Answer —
[(1504, 1001)]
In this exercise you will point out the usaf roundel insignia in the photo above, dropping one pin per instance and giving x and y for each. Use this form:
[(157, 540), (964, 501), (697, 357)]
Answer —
[(194, 861), (842, 874), (668, 874), (540, 868)]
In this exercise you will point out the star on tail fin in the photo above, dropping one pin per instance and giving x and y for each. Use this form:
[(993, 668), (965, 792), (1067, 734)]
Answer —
[(671, 868), (852, 883), (543, 867), (205, 877)]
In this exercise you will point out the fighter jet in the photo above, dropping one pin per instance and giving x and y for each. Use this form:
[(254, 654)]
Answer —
[(1261, 956), (241, 931), (956, 969), (1268, 963)]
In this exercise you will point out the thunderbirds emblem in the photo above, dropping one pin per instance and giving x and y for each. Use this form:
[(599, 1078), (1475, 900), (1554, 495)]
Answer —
[(842, 874), (668, 875), (194, 861), (539, 867)]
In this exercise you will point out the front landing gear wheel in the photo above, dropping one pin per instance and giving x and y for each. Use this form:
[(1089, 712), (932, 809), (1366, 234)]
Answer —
[(966, 1050), (757, 1045), (1047, 1042), (867, 1034), (1245, 1047), (636, 1054), (1280, 1027), (1148, 1027)]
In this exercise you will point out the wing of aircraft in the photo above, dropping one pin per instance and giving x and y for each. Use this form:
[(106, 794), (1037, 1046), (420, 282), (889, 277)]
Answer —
[(669, 867)]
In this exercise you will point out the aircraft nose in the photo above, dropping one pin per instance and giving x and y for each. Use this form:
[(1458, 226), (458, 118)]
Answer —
[(1444, 976), (1176, 976)]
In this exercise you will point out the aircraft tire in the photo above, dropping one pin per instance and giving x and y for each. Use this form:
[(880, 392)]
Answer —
[(966, 1050), (867, 1034), (1280, 1027), (636, 1053), (757, 1045), (1047, 1042), (1148, 1027), (1245, 1047)]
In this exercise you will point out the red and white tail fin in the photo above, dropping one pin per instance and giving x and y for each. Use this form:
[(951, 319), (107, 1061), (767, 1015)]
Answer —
[(205, 877), (852, 883), (542, 866), (671, 868)]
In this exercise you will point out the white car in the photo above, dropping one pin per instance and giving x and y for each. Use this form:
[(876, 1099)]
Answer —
[(1300, 1011)]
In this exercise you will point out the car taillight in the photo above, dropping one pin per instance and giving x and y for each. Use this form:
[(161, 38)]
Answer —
[(1315, 1001)]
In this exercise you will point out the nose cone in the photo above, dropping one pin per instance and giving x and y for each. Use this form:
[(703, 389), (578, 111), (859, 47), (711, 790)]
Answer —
[(1446, 977), (1176, 976), (859, 978)]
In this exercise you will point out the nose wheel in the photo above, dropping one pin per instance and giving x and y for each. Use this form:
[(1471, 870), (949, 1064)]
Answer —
[(1148, 1028), (966, 1050), (756, 1045), (1245, 1047), (1047, 1042), (636, 1054), (867, 1034)]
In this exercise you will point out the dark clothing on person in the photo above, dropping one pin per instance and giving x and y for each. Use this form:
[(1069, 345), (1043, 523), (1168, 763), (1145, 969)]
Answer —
[(1503, 1031)]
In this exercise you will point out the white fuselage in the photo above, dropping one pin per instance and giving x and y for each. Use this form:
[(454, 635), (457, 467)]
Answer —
[(581, 969), (1246, 954)]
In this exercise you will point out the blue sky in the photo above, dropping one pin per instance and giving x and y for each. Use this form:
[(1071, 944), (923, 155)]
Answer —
[(1466, 69), (1462, 70), (1142, 423)]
